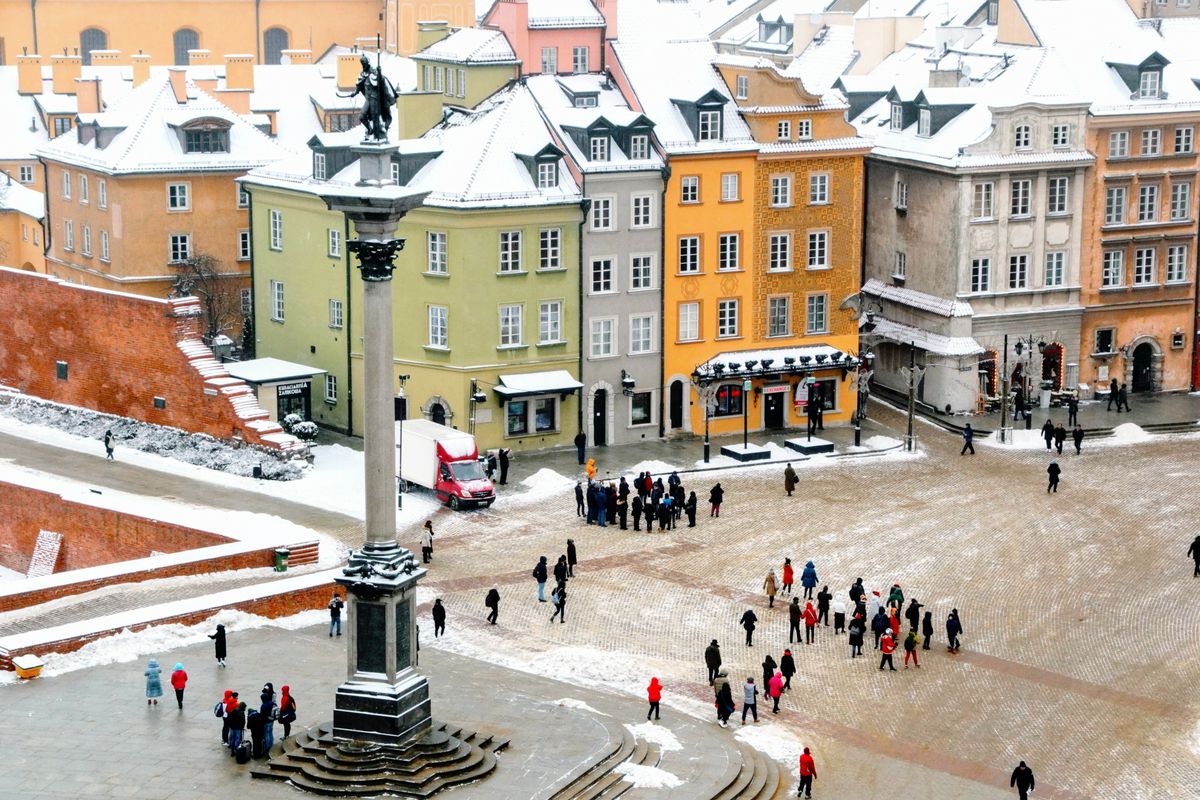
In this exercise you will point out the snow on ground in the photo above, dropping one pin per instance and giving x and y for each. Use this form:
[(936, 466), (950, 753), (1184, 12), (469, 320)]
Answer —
[(643, 776), (578, 705), (653, 467), (775, 742), (7, 574), (129, 646), (1195, 741), (1126, 433), (655, 734), (882, 443), (542, 484)]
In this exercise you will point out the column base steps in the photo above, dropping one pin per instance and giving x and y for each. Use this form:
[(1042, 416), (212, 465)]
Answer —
[(313, 760)]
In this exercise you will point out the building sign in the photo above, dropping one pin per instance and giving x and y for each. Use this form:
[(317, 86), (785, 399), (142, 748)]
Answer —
[(802, 394), (780, 389), (291, 389)]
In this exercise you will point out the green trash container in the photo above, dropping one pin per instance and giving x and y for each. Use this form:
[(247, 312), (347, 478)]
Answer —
[(281, 559)]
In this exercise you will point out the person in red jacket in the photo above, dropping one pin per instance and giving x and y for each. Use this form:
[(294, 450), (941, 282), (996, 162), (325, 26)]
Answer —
[(808, 773), (179, 682), (788, 573), (887, 646), (894, 624), (654, 695), (810, 622)]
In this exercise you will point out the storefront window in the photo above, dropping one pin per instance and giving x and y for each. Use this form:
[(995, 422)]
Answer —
[(518, 418), (729, 400), (544, 416), (639, 408), (825, 391)]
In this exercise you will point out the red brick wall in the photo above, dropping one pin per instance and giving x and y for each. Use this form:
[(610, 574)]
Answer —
[(121, 352), (91, 536)]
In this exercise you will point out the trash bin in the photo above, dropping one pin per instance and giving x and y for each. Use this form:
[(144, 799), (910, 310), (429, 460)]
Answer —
[(281, 559), (258, 470), (27, 666)]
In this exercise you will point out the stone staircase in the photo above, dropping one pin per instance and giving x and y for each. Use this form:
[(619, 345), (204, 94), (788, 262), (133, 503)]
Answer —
[(447, 756), (46, 552), (600, 781), (756, 778)]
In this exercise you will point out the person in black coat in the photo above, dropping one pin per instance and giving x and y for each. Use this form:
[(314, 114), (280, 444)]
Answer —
[(237, 724), (623, 488), (1123, 398), (540, 574), (1194, 552), (823, 598), (1072, 410), (610, 500), (492, 601), (678, 499), (572, 558), (1022, 778), (768, 667), (1054, 470), (913, 614), (254, 722), (560, 570), (591, 503), (856, 630), (1113, 394), (1077, 436), (559, 596), (749, 620), (712, 660), (504, 451), (580, 444), (219, 640), (439, 618), (1048, 434), (690, 509), (637, 511), (1060, 436), (954, 629), (787, 667), (879, 624), (724, 703), (927, 629), (716, 496), (580, 508), (795, 613), (856, 591), (623, 510)]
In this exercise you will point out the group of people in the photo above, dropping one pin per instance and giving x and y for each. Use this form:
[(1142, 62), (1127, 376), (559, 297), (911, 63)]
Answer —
[(1056, 435), (564, 569), (237, 718), (647, 499), (154, 689)]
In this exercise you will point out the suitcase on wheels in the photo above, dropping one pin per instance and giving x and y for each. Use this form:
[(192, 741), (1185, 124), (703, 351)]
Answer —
[(243, 753)]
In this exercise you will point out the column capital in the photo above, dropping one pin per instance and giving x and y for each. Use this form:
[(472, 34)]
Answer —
[(375, 258)]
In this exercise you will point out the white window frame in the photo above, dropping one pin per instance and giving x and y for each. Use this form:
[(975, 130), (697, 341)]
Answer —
[(783, 130), (1118, 144), (1020, 193), (550, 249), (641, 272), (1151, 142), (818, 189), (1185, 139), (817, 254), (688, 322), (731, 187), (639, 147), (708, 126), (277, 301), (462, 83), (1058, 194), (84, 190), (547, 174), (816, 314), (330, 389), (334, 237), (728, 318), (602, 275), (924, 122), (66, 185), (580, 60), (1147, 203), (509, 245), (1116, 205), (437, 253), (602, 337), (779, 251), (983, 200), (602, 217), (512, 322), (901, 194), (1060, 136), (650, 419), (1149, 83), (641, 341), (337, 318), (549, 60), (1018, 271), (179, 197), (729, 252), (276, 229), (641, 211), (1144, 266), (784, 326), (742, 87), (598, 148), (900, 265), (68, 235), (1113, 269), (689, 189), (174, 240), (25, 173), (550, 314), (896, 117), (319, 173), (243, 197), (781, 191), (245, 245), (981, 275), (690, 245), (1177, 263), (85, 247), (105, 252), (1055, 269), (803, 129), (1181, 201), (1023, 136), (437, 327)]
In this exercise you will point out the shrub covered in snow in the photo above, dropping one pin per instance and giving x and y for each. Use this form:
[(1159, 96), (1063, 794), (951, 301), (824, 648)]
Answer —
[(192, 448), (306, 431), (291, 421)]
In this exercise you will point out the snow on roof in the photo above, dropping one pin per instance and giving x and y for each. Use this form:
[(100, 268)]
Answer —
[(651, 21), (22, 199), (471, 46), (815, 145), (691, 76), (563, 14), (919, 300), (270, 370), (547, 382), (926, 340), (804, 358), (21, 128), (824, 59)]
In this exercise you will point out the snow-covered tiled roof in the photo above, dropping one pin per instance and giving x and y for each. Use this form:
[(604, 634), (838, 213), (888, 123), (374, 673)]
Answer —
[(816, 145), (919, 300), (804, 358), (21, 128), (1025, 159), (825, 58), (471, 46), (556, 13), (928, 341), (22, 199)]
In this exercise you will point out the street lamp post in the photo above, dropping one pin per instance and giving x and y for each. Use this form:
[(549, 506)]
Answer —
[(746, 414)]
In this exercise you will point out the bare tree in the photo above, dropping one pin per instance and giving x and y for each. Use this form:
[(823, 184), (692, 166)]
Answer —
[(219, 292)]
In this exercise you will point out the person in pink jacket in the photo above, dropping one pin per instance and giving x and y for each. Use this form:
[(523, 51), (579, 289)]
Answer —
[(775, 689)]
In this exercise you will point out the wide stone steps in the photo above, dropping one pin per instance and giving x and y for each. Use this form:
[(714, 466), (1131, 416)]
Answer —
[(601, 782), (756, 778)]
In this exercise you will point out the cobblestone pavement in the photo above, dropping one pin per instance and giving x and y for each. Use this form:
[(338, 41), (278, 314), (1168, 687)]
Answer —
[(1080, 646)]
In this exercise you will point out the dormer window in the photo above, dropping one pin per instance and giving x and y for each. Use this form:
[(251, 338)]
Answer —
[(598, 148), (206, 140), (924, 122), (1023, 137), (709, 126), (743, 87), (319, 166), (639, 146), (993, 11), (897, 117), (547, 174), (1150, 83), (585, 101)]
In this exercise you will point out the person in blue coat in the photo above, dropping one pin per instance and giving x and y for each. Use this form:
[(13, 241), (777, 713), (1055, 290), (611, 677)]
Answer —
[(808, 579), (153, 682), (268, 712)]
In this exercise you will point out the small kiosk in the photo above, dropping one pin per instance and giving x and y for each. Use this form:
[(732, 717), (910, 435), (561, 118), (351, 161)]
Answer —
[(282, 387)]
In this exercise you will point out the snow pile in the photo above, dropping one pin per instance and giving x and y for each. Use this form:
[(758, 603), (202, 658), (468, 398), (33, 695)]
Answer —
[(192, 448), (542, 484), (882, 442), (156, 640), (655, 734), (775, 742), (1195, 741), (655, 468), (7, 574), (1128, 433), (647, 777), (578, 705)]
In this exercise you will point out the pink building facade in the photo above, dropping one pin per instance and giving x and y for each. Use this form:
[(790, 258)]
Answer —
[(559, 37)]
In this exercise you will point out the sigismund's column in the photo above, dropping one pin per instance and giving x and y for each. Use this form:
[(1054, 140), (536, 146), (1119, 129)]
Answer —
[(383, 700)]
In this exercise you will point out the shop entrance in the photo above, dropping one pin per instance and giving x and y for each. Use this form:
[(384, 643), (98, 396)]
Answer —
[(773, 416)]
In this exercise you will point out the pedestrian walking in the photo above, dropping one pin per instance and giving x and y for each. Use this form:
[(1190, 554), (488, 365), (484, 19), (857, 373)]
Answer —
[(559, 596), (968, 435), (1022, 777), (1048, 433), (810, 623), (492, 601), (502, 457), (153, 682), (580, 510), (927, 630), (1060, 436), (439, 618), (715, 496), (491, 466), (237, 725), (540, 575), (427, 542), (879, 624), (913, 614), (654, 695), (1077, 437), (856, 632), (887, 645), (789, 479), (749, 620), (768, 669), (775, 690), (1073, 409), (954, 629), (808, 774), (823, 598), (219, 644), (1018, 403), (749, 700), (179, 680), (910, 649), (724, 698), (769, 587), (690, 509), (572, 558), (795, 617), (856, 591), (839, 617), (580, 444), (1194, 552), (712, 660), (1123, 398), (808, 579), (287, 710), (1053, 471), (788, 576), (335, 614), (787, 667), (108, 445), (1114, 391), (560, 569)]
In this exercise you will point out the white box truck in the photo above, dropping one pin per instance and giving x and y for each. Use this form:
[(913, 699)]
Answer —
[(443, 460)]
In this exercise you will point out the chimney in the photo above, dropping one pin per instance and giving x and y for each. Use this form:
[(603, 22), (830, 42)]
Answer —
[(178, 76), (198, 57), (141, 68), (431, 32), (206, 83), (297, 57), (29, 74), (348, 69), (65, 69), (417, 112), (945, 78), (106, 58), (608, 8), (87, 93), (239, 72)]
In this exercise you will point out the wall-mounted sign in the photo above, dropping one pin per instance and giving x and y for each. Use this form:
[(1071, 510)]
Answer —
[(291, 389)]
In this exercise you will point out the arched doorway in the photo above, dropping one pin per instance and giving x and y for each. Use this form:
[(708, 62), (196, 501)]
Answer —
[(275, 41), (91, 39), (437, 413), (676, 405), (1052, 365), (600, 418), (1143, 368), (184, 39)]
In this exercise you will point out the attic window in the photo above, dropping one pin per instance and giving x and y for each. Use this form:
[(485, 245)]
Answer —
[(547, 174), (585, 101), (710, 126), (639, 146), (206, 141), (1023, 137), (598, 146), (993, 11), (897, 117), (319, 166), (1150, 83), (924, 122)]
